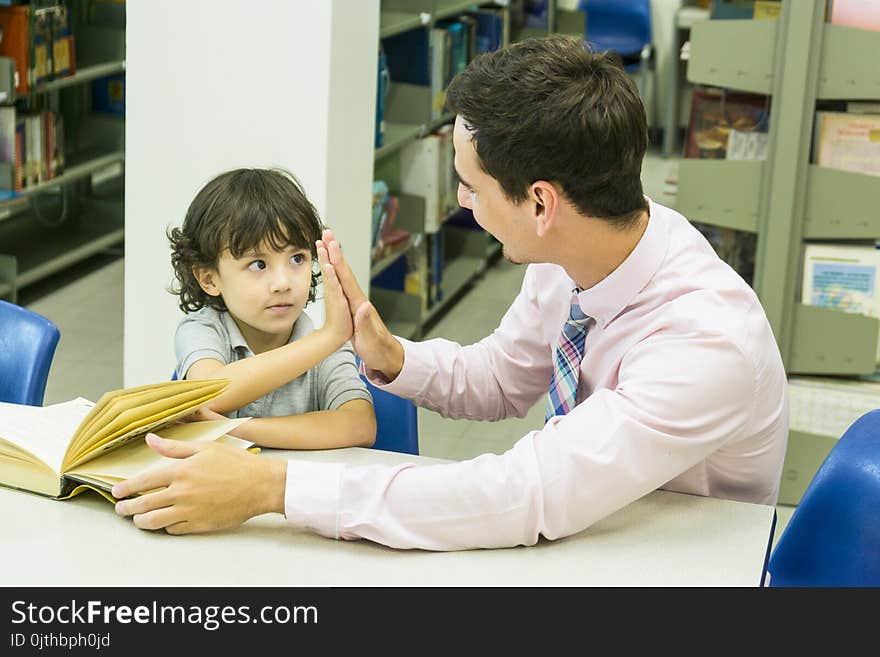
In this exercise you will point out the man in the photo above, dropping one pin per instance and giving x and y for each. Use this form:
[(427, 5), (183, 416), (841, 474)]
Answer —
[(661, 366)]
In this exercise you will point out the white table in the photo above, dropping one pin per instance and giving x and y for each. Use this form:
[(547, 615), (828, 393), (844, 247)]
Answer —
[(663, 539)]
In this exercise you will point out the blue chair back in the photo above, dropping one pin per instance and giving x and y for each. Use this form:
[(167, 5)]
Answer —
[(833, 536), (397, 426), (27, 345), (623, 26)]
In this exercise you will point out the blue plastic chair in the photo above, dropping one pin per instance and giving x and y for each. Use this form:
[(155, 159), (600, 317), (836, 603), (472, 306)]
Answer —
[(27, 346), (624, 27), (397, 426), (833, 536)]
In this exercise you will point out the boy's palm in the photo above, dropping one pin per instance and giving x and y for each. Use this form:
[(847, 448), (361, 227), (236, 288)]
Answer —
[(337, 315)]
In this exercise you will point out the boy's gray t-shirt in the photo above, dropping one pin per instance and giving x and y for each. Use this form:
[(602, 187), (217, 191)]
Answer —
[(208, 333)]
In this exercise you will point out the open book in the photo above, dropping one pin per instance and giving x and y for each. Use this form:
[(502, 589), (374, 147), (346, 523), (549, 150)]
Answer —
[(60, 450)]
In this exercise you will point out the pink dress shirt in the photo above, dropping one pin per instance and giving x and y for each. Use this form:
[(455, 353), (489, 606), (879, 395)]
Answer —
[(681, 387)]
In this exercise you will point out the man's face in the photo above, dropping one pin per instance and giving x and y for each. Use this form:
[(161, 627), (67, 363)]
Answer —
[(481, 193)]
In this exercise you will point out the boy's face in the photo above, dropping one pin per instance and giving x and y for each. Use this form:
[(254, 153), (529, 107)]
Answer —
[(265, 291)]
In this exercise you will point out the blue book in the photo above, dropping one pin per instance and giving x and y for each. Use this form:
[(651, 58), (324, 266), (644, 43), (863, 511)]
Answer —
[(381, 93), (489, 31), (408, 57)]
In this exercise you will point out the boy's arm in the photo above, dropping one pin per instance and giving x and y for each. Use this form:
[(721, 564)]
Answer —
[(353, 424), (251, 378)]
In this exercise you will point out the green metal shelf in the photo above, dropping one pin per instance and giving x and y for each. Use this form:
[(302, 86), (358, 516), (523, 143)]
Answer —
[(75, 171), (42, 251), (384, 263), (398, 135), (447, 8), (826, 341), (848, 68), (738, 54), (734, 188), (395, 22), (841, 205)]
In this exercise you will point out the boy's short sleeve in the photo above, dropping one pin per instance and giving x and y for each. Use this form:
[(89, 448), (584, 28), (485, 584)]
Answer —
[(195, 340), (338, 380)]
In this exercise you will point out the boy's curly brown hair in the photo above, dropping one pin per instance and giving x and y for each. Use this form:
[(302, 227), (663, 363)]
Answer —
[(239, 210)]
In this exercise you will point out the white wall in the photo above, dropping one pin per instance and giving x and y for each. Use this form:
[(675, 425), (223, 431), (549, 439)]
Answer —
[(239, 83)]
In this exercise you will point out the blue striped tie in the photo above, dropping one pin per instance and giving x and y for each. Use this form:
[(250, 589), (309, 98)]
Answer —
[(567, 362)]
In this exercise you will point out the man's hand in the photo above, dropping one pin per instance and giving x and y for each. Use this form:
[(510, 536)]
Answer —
[(211, 487), (374, 343), (337, 317)]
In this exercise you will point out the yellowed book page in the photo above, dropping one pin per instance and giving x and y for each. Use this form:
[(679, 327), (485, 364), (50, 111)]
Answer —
[(104, 404), (137, 457), (128, 415), (29, 475), (131, 425), (43, 431), (120, 401)]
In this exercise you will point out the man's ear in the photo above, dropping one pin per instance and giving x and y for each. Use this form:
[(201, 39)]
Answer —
[(207, 279), (545, 198)]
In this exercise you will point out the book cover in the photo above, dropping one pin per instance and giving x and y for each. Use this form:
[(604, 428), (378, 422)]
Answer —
[(440, 53), (19, 154), (41, 46), (408, 57), (60, 450), (422, 174), (843, 277), (7, 144), (850, 142), (715, 113), (490, 29), (63, 53), (16, 43)]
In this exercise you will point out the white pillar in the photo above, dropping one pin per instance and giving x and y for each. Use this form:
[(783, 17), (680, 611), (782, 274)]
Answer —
[(214, 86)]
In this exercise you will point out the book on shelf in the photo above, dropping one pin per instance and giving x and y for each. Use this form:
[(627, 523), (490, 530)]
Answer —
[(490, 29), (60, 450), (767, 9), (40, 41), (846, 141), (423, 173), (32, 141), (108, 95), (843, 277), (717, 113)]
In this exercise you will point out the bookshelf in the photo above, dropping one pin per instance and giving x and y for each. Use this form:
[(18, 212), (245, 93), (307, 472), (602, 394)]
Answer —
[(799, 60), (465, 251), (53, 223)]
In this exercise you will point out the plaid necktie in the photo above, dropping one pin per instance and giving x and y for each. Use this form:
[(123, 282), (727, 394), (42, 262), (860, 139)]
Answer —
[(567, 362)]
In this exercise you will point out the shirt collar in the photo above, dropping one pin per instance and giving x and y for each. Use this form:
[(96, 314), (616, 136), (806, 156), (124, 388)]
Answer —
[(236, 339), (605, 300), (301, 327)]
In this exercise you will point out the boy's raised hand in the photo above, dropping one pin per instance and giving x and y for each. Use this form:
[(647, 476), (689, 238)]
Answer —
[(374, 343), (337, 316)]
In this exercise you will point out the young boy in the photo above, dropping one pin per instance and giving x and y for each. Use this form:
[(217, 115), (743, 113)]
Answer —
[(246, 265)]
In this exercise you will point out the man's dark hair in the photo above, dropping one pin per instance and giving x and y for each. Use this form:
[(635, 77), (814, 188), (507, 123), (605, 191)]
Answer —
[(239, 210), (549, 109)]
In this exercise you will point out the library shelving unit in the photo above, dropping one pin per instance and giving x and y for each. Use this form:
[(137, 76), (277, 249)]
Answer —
[(56, 223), (466, 251), (799, 60)]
